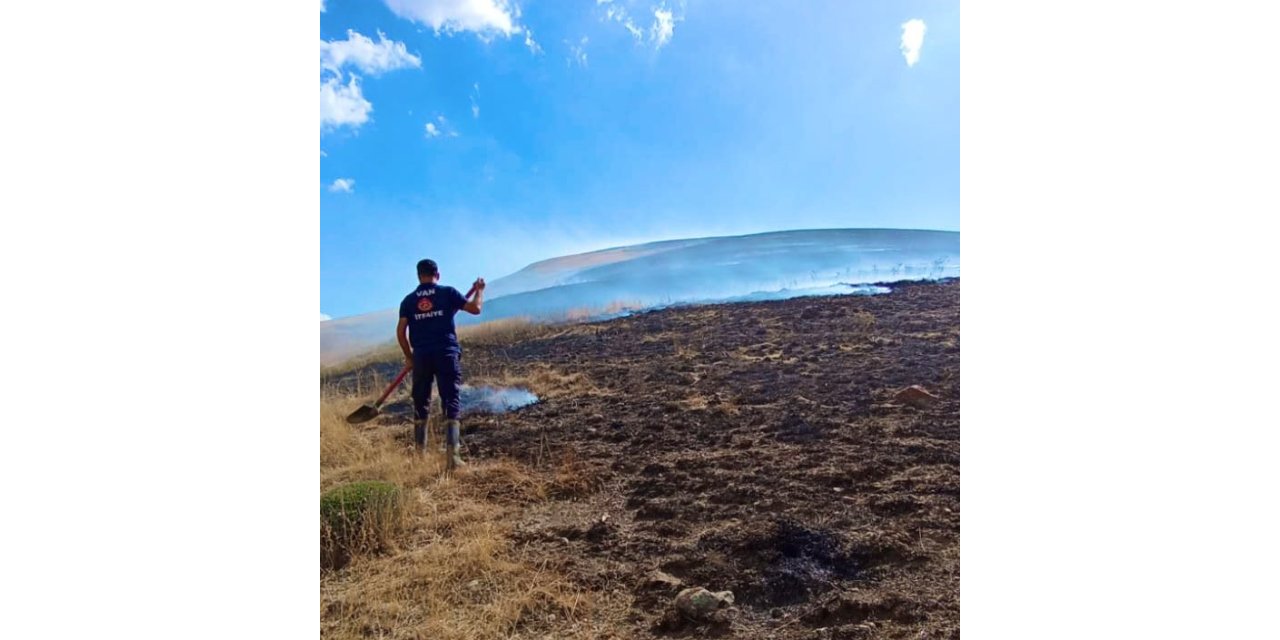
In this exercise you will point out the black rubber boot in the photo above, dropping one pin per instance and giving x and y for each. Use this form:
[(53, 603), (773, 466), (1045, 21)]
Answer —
[(453, 440), (420, 435)]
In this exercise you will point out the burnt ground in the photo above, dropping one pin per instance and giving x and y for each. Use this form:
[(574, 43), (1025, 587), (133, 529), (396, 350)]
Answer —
[(750, 447)]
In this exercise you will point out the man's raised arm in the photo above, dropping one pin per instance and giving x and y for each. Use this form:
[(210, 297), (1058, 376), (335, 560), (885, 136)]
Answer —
[(473, 305)]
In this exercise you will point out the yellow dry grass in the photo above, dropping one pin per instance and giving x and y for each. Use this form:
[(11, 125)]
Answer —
[(388, 352), (544, 380), (453, 573), (501, 331), (586, 314)]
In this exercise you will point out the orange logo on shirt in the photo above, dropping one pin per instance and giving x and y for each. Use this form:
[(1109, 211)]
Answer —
[(424, 304)]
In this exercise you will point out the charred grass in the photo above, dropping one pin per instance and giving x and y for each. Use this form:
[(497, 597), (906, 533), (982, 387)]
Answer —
[(752, 447)]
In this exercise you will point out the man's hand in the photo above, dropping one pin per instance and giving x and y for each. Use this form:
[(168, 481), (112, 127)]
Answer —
[(408, 361), (477, 299)]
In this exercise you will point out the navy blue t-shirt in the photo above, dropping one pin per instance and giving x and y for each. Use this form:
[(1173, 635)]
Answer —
[(430, 310)]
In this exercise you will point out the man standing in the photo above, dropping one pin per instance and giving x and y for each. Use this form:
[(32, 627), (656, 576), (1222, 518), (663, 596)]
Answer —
[(430, 343)]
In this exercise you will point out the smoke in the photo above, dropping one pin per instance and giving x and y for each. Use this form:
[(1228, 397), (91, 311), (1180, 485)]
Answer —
[(607, 283), (485, 399)]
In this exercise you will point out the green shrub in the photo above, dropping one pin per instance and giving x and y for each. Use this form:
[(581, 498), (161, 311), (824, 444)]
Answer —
[(357, 517)]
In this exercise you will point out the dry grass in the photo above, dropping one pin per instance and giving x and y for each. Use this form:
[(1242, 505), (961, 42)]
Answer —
[(389, 352), (863, 321), (586, 314), (452, 572), (544, 380), (501, 331)]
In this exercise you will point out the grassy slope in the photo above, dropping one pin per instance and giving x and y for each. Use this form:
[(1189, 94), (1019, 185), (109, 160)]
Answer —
[(453, 573)]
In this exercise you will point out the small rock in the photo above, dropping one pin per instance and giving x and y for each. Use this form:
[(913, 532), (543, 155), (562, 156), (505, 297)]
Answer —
[(916, 396), (658, 579), (699, 604)]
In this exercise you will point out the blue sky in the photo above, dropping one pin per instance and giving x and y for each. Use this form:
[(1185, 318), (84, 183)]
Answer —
[(488, 134)]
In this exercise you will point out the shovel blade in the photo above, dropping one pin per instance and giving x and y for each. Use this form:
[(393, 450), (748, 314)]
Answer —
[(365, 413)]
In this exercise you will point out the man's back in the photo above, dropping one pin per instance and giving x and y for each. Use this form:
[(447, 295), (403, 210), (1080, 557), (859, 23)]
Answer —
[(430, 310)]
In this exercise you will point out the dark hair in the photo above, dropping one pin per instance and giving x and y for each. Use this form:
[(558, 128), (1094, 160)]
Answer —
[(428, 268)]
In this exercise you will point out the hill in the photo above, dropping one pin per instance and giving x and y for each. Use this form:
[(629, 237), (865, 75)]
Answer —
[(781, 264)]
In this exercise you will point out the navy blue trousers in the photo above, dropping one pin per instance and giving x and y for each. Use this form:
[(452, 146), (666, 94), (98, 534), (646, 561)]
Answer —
[(446, 369)]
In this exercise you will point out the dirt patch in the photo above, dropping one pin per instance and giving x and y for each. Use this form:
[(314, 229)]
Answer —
[(778, 563)]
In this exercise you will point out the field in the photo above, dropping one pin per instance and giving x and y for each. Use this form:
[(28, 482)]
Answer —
[(753, 447)]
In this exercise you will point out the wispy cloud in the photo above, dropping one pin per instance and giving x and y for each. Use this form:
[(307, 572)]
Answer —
[(663, 27), (342, 104), (577, 52), (440, 127), (534, 47), (912, 39), (343, 185), (475, 104), (363, 53), (324, 316), (618, 13), (483, 17), (660, 31)]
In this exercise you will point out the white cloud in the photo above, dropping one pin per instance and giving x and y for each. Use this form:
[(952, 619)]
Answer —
[(912, 38), (342, 104), (440, 127), (324, 316), (534, 47), (577, 52), (343, 185), (366, 55), (485, 17), (321, 6), (663, 28), (660, 31), (618, 14)]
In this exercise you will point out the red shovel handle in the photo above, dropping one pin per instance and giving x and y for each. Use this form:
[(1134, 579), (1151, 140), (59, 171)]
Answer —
[(405, 371), (394, 383)]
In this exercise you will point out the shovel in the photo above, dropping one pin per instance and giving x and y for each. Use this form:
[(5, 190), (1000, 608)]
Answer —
[(367, 412)]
